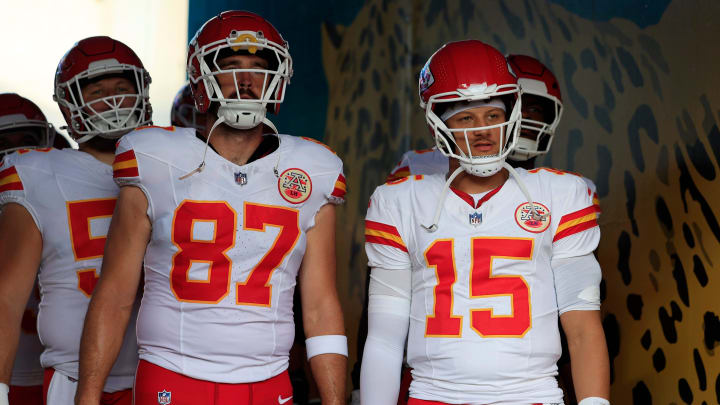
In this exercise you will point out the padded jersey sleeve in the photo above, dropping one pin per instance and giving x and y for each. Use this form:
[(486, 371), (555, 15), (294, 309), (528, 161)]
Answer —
[(12, 188), (576, 232), (326, 158), (384, 244), (126, 171), (337, 196)]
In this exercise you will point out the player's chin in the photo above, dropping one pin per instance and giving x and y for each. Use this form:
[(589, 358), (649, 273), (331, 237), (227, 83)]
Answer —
[(484, 151)]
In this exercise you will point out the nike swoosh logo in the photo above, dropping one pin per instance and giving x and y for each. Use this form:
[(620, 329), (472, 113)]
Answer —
[(282, 400)]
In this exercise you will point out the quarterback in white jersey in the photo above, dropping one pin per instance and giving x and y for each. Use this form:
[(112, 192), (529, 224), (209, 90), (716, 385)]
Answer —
[(474, 269), (56, 209), (222, 243), (482, 284)]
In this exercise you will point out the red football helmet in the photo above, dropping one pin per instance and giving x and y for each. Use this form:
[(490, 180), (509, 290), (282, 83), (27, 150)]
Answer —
[(184, 113), (227, 34), (537, 80), (22, 125), (470, 71), (94, 58)]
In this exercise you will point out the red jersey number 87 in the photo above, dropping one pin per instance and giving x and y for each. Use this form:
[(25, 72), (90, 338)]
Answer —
[(255, 290)]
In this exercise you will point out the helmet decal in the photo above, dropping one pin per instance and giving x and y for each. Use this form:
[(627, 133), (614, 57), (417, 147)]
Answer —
[(242, 40), (426, 78)]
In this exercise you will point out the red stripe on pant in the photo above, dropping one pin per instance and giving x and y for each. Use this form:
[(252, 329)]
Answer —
[(152, 380)]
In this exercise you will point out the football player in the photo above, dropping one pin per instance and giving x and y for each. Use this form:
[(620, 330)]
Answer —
[(541, 112), (24, 126), (56, 206), (225, 222), (474, 265)]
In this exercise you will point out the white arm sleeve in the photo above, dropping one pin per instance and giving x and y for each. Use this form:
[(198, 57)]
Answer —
[(577, 283), (4, 389), (396, 283), (388, 323)]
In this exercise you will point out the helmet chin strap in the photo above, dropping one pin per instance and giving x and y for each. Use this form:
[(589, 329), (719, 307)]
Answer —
[(242, 115), (438, 209), (200, 168), (526, 193), (270, 125), (222, 120), (482, 170)]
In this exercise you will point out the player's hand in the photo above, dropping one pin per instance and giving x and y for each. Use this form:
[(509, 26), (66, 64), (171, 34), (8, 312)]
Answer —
[(4, 389)]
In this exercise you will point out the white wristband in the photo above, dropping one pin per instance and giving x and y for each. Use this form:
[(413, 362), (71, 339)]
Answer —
[(4, 389), (326, 344), (594, 401)]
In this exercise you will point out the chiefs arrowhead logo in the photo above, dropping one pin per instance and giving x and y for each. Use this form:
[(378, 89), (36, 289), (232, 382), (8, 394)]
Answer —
[(524, 217), (295, 185)]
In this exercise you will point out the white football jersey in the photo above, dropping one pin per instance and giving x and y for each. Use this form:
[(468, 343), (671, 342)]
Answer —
[(425, 161), (71, 197), (484, 315), (431, 161), (225, 249), (27, 370)]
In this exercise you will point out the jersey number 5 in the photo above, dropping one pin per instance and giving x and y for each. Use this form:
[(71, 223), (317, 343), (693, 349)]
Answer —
[(256, 290), (86, 246), (442, 323)]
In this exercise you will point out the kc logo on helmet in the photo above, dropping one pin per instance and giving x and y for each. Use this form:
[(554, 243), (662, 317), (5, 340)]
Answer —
[(295, 185), (530, 223)]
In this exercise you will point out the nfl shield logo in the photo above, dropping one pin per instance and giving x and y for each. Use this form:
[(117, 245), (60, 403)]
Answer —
[(164, 397), (476, 218), (241, 178)]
